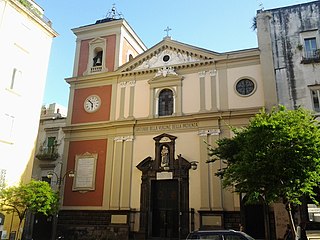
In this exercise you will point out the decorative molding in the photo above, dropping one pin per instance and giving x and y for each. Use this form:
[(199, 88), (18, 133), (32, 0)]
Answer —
[(202, 74), (129, 138), (212, 132), (124, 138), (176, 57), (165, 139), (123, 84), (132, 83), (165, 71), (213, 73)]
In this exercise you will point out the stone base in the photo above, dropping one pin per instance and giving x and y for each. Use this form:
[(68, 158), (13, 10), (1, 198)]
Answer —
[(91, 225)]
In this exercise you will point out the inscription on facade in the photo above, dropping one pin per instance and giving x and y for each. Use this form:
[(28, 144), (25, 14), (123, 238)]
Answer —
[(164, 175), (85, 170), (167, 127)]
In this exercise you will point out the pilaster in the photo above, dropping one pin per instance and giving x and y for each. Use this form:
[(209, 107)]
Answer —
[(122, 99), (116, 173), (132, 85), (125, 194), (211, 188), (223, 89), (152, 103), (213, 79), (202, 76)]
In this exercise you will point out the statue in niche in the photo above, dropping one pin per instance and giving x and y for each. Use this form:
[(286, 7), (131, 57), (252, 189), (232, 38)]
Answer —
[(164, 156)]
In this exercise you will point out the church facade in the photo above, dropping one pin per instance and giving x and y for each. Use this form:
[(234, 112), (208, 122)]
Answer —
[(138, 125)]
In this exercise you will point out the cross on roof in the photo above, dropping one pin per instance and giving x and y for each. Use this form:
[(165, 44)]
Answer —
[(113, 13), (167, 30)]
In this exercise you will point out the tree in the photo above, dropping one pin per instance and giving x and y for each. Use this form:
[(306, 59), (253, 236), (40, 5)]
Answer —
[(36, 197), (277, 157)]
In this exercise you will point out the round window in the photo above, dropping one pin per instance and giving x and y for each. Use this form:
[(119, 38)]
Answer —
[(166, 58), (245, 87)]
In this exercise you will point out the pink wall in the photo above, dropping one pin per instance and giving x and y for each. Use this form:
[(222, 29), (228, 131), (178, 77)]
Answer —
[(109, 56), (79, 115), (90, 198)]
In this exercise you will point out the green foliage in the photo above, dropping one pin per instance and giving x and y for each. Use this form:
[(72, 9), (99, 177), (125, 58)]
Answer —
[(30, 6), (276, 156), (254, 23), (36, 196)]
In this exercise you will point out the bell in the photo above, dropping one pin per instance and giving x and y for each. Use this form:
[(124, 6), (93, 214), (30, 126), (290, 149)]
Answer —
[(98, 61)]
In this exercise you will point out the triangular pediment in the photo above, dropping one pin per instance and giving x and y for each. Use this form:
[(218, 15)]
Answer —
[(97, 41), (169, 53), (167, 57)]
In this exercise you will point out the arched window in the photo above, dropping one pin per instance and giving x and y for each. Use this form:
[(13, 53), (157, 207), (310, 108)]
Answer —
[(165, 102), (97, 56), (97, 60)]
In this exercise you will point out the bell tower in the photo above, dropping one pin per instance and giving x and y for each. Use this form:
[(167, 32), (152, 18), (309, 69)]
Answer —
[(105, 45), (100, 49)]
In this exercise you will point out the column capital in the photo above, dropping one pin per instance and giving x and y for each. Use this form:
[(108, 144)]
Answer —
[(124, 138), (213, 73), (202, 74), (206, 132)]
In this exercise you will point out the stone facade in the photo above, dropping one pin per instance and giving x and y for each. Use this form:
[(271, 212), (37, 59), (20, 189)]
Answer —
[(291, 34)]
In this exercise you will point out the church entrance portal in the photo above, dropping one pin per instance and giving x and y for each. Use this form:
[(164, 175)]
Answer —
[(165, 209), (164, 200)]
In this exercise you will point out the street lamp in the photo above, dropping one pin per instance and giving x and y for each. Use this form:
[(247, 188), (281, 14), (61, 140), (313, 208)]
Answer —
[(194, 165), (69, 173), (60, 180)]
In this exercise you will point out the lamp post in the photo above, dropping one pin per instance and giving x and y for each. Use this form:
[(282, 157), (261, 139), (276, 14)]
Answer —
[(60, 180)]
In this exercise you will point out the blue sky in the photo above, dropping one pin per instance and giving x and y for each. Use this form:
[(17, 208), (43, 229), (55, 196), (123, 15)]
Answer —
[(216, 25)]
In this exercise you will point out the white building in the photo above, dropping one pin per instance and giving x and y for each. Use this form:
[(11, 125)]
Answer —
[(25, 43)]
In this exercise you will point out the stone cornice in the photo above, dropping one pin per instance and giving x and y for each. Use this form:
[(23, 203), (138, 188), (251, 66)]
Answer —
[(109, 126)]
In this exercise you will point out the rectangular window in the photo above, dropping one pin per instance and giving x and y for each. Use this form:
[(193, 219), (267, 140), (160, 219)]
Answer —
[(16, 79), (310, 46), (316, 99), (51, 144), (7, 122)]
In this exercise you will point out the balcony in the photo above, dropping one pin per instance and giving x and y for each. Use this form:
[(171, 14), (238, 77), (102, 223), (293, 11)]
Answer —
[(47, 153), (96, 69), (311, 57)]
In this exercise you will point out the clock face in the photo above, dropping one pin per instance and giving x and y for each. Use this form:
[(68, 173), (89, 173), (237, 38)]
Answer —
[(92, 103)]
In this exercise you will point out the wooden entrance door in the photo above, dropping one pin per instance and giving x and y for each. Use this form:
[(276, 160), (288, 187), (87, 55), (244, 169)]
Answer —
[(165, 209), (254, 219)]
